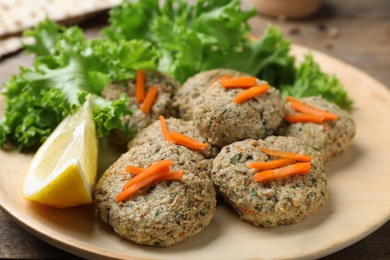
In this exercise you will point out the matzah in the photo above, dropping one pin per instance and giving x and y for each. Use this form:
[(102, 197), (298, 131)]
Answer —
[(19, 15), (10, 45)]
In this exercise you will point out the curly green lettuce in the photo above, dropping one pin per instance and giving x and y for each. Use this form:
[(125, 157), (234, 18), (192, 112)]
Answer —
[(67, 67), (213, 34), (176, 37), (202, 36), (309, 80)]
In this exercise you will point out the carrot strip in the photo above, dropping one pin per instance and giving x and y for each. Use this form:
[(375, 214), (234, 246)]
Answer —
[(242, 82), (250, 93), (134, 169), (149, 99), (288, 155), (164, 129), (296, 118), (171, 176), (140, 86), (227, 76), (151, 170), (157, 177), (180, 139), (297, 168), (307, 109), (262, 166), (130, 190)]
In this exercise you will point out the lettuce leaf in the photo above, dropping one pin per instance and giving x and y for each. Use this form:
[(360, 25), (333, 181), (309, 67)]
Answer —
[(311, 81), (67, 67), (191, 38), (175, 37), (212, 34)]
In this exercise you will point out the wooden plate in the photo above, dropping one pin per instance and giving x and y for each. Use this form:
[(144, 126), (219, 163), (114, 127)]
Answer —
[(359, 197)]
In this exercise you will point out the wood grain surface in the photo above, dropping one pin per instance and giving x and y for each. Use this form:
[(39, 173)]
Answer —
[(355, 31)]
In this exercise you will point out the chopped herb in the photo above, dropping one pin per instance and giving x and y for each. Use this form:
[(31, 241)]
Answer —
[(224, 111), (236, 158), (254, 193)]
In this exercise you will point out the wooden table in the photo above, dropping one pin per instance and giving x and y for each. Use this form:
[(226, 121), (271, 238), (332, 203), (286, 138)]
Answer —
[(355, 31)]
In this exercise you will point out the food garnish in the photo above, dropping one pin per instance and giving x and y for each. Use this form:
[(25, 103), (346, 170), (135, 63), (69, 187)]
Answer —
[(310, 110), (63, 171), (149, 99), (158, 171), (151, 170), (164, 129), (282, 172), (227, 76), (241, 82), (262, 166), (171, 176), (198, 37), (301, 117), (289, 155), (67, 67), (134, 169), (179, 138), (177, 37), (291, 163), (250, 93)]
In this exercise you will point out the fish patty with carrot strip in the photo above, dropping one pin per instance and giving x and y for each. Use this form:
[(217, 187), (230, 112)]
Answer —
[(331, 137), (153, 133), (166, 212), (162, 105), (279, 201), (222, 121), (186, 96)]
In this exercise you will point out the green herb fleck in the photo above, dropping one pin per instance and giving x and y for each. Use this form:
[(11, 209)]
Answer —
[(254, 193), (236, 158)]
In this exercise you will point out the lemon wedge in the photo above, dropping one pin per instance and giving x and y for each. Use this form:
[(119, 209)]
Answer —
[(63, 171)]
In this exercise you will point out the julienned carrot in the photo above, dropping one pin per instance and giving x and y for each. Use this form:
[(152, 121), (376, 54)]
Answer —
[(180, 139), (160, 166), (164, 129), (149, 99), (171, 176), (307, 109), (134, 169), (262, 166), (140, 86), (288, 155), (133, 188), (241, 82), (158, 176), (301, 117), (250, 93), (297, 168), (227, 76), (186, 141)]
